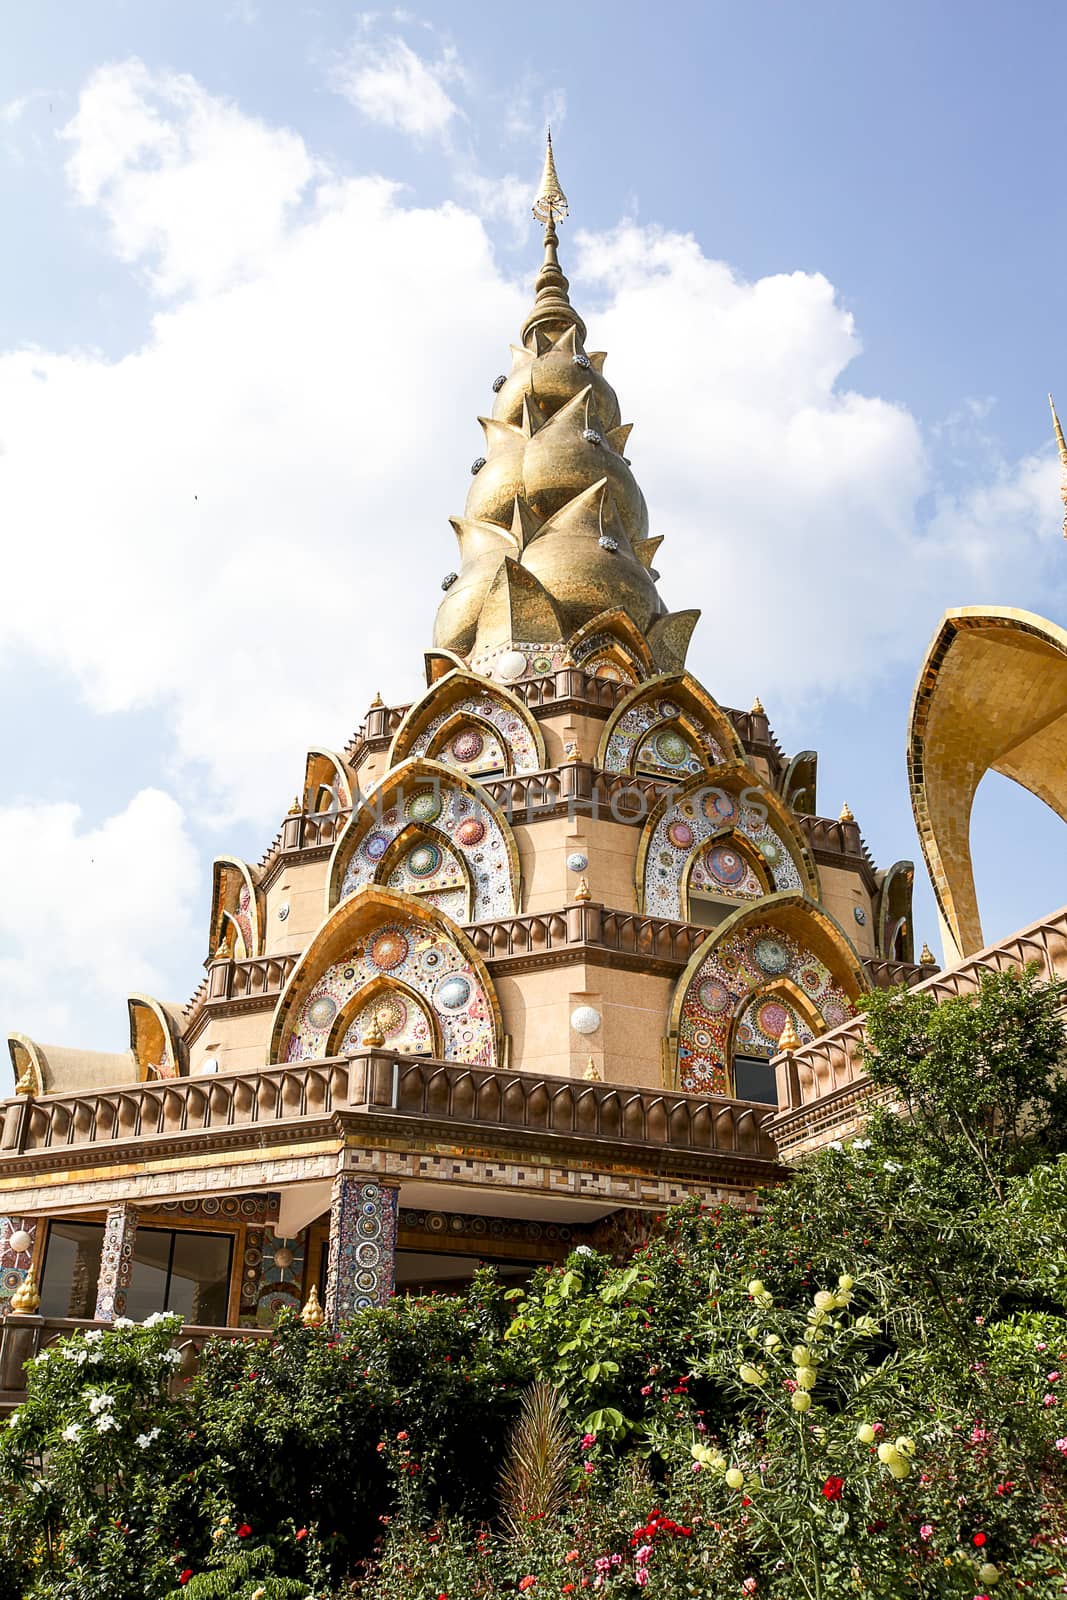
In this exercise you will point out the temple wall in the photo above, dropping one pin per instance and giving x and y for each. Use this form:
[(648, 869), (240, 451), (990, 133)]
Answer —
[(302, 887), (842, 891)]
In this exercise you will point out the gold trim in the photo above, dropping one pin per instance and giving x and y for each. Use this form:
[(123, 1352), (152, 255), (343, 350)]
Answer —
[(444, 693), (681, 685)]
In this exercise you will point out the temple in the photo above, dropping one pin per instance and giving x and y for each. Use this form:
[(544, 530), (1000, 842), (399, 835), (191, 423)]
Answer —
[(529, 960)]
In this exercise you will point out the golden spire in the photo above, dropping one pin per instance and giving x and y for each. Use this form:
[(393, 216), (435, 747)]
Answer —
[(757, 708), (926, 956), (846, 813), (26, 1300), (1062, 446), (592, 1072), (313, 1315), (550, 200), (374, 1033)]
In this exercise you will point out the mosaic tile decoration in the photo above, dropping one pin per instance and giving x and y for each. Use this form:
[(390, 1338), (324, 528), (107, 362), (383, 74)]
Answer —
[(538, 659), (741, 978), (280, 1279), (256, 1208), (643, 737), (460, 748), (14, 1264), (116, 1262), (682, 831), (424, 959), (454, 824), (243, 918), (599, 655), (362, 1258)]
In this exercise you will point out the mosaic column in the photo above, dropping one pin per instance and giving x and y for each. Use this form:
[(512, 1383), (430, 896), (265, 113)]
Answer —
[(362, 1260), (17, 1236), (116, 1262)]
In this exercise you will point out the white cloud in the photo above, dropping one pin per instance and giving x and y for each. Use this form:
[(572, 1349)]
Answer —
[(390, 84), (91, 911), (183, 178)]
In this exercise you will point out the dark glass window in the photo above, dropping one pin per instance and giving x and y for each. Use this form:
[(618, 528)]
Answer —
[(71, 1269), (754, 1079), (184, 1272)]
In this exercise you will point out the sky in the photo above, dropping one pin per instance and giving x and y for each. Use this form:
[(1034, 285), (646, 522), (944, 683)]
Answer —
[(262, 263)]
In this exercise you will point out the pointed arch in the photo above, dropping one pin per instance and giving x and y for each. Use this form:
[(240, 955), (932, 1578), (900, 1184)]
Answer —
[(327, 784), (155, 1038), (406, 1019), (424, 792), (783, 953), (378, 933), (727, 797), (727, 866), (653, 707), (458, 692), (893, 926), (612, 638), (236, 914), (27, 1056), (799, 783), (421, 861)]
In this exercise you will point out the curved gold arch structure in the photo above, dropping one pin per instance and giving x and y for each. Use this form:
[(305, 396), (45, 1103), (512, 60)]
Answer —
[(991, 697), (229, 876), (444, 697), (426, 948), (154, 1038)]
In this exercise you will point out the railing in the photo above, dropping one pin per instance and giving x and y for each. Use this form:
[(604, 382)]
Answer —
[(587, 924), (260, 977), (411, 1086), (23, 1338), (373, 1082), (833, 1062)]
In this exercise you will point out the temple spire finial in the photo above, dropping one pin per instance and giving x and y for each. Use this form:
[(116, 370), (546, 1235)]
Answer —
[(1062, 446), (552, 313)]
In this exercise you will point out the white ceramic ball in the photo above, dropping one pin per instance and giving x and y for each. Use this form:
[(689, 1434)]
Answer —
[(585, 1019)]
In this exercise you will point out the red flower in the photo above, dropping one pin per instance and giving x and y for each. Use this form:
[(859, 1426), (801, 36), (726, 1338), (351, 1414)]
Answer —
[(527, 1582), (401, 1437), (832, 1488), (979, 1539), (244, 1530), (301, 1533), (184, 1577)]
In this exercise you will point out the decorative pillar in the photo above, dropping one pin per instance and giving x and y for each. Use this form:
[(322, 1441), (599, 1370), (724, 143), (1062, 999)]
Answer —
[(17, 1236), (116, 1262), (362, 1261)]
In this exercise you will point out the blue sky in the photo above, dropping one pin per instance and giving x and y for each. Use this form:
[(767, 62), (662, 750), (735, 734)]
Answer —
[(270, 256)]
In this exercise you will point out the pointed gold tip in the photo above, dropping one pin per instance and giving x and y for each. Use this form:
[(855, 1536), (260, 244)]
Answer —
[(591, 1073), (757, 708), (583, 891), (846, 813), (313, 1315), (787, 1039), (1061, 445), (926, 956), (550, 204)]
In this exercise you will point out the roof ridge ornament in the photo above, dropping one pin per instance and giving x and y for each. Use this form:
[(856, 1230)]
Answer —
[(1062, 446)]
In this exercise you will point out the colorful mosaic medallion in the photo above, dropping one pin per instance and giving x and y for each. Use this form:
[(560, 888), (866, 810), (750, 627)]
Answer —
[(499, 740), (647, 737), (458, 861), (687, 826), (729, 995), (436, 991)]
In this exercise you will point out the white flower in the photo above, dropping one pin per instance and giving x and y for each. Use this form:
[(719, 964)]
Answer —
[(145, 1439), (38, 1486), (72, 1433), (584, 1250), (40, 1360), (122, 1322), (171, 1358), (104, 1423), (835, 1144), (14, 1419), (101, 1402), (93, 1335), (890, 1166), (861, 1144)]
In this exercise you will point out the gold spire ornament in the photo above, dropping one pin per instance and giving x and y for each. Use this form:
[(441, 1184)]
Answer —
[(926, 956), (550, 203), (591, 1073), (27, 1083), (846, 813), (787, 1039), (297, 807), (374, 1035), (26, 1300), (313, 1316), (757, 708), (1061, 445), (583, 891)]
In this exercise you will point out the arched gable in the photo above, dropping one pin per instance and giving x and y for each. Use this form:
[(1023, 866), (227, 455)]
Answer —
[(799, 782), (687, 730), (154, 1038), (782, 958), (423, 799), (893, 928), (28, 1062), (437, 725), (327, 785), (375, 947), (728, 802), (236, 921), (611, 645)]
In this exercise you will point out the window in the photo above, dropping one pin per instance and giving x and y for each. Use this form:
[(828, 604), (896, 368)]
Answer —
[(754, 1080), (184, 1272), (71, 1269)]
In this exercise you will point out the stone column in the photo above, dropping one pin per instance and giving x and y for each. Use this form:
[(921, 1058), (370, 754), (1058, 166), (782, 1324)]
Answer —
[(362, 1261), (116, 1262)]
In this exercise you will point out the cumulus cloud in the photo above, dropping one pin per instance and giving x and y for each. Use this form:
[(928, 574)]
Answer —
[(389, 83), (91, 910)]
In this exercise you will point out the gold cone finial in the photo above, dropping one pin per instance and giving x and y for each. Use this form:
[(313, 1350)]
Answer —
[(583, 891), (1061, 445), (313, 1316), (592, 1072), (374, 1033), (926, 956), (787, 1039), (757, 708), (846, 813), (26, 1300), (550, 204), (27, 1083)]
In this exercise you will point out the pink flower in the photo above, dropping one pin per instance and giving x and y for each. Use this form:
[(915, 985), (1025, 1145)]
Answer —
[(926, 1531), (647, 1389), (978, 1435), (697, 1467), (1061, 1446), (1053, 1377), (643, 1554), (1049, 1400), (641, 1577), (587, 1466), (749, 1586), (588, 1440)]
